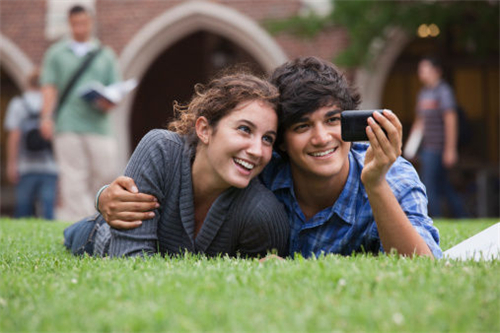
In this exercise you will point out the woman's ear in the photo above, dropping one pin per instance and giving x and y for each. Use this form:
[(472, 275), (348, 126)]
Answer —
[(203, 129)]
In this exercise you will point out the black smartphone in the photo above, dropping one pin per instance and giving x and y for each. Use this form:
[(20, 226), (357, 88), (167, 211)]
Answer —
[(353, 124)]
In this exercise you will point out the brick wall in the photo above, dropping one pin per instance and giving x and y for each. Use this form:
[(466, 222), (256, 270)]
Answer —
[(23, 22)]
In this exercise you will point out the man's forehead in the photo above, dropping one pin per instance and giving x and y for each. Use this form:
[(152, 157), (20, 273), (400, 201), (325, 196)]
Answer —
[(327, 111)]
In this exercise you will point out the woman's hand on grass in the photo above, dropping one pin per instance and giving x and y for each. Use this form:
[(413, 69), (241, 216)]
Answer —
[(123, 207)]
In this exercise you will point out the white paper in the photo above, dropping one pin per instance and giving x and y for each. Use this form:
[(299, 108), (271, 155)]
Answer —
[(482, 246), (413, 143)]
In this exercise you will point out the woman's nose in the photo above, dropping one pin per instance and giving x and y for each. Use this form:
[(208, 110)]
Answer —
[(255, 147)]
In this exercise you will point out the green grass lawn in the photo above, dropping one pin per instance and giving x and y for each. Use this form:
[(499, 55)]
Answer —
[(45, 289)]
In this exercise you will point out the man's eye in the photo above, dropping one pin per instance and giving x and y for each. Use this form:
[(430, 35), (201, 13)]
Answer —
[(244, 128), (333, 120), (268, 139), (300, 127)]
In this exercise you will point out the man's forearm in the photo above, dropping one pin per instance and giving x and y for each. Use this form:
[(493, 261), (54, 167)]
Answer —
[(395, 230), (13, 146), (450, 130), (49, 93)]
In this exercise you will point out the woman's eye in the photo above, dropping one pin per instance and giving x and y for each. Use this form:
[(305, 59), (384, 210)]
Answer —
[(244, 128), (268, 139)]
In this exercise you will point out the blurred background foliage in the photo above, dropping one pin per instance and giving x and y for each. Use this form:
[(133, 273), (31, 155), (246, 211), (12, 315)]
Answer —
[(473, 24)]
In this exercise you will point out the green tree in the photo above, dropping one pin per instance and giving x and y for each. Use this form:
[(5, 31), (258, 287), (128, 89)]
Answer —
[(474, 25)]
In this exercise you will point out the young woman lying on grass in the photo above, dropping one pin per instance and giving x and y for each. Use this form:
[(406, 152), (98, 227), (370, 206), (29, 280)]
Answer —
[(202, 173)]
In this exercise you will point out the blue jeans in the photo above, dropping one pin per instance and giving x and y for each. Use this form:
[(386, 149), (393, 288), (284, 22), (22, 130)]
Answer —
[(435, 178), (33, 188), (80, 236)]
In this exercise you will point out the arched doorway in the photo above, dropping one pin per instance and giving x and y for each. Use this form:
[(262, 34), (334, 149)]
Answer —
[(8, 91), (14, 68), (172, 75), (182, 24)]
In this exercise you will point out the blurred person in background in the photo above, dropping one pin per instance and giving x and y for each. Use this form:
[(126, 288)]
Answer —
[(81, 132), (30, 161), (437, 119)]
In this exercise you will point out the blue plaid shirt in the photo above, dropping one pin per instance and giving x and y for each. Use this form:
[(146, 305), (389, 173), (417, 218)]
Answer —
[(348, 226)]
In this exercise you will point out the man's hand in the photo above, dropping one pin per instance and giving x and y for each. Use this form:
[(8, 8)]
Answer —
[(104, 105), (450, 154), (450, 158), (394, 228), (384, 149), (123, 207)]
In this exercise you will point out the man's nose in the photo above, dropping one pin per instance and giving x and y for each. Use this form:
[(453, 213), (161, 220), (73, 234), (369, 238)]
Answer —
[(321, 136)]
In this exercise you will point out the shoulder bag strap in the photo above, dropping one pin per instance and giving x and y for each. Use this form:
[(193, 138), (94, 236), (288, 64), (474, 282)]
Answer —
[(91, 56)]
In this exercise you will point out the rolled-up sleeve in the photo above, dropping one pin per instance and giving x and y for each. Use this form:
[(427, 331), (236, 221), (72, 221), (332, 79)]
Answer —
[(414, 204)]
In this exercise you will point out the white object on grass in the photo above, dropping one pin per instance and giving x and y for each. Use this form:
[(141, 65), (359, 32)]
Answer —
[(482, 246)]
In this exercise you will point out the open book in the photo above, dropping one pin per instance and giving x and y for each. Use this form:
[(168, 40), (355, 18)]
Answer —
[(113, 93)]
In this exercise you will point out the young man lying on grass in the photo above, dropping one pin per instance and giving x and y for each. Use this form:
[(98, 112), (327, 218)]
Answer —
[(340, 197)]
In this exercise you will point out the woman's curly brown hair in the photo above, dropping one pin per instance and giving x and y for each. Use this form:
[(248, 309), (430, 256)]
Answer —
[(218, 98)]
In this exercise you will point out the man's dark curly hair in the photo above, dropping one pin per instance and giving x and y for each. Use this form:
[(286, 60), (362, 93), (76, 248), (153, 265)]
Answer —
[(307, 84)]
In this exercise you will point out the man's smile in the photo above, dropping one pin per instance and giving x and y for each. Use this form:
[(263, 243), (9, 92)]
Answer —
[(323, 153)]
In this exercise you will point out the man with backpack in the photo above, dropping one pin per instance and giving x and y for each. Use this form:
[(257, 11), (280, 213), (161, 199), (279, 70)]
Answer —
[(30, 161), (84, 145)]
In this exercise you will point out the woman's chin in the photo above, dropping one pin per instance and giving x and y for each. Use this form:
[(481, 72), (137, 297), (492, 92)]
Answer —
[(240, 183)]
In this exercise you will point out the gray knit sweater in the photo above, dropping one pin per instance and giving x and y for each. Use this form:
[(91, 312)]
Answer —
[(247, 221)]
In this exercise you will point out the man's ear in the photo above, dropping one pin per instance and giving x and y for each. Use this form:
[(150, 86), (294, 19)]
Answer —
[(203, 129)]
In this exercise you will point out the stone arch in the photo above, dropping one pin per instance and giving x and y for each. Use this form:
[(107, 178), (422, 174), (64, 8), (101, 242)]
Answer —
[(15, 62), (371, 79), (175, 24)]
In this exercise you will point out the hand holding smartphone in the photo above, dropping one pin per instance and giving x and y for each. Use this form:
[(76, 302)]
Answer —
[(353, 124)]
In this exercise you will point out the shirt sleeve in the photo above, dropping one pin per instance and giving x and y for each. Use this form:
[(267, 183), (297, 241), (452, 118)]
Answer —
[(49, 68), (414, 204), (15, 114), (411, 195), (113, 74), (150, 166), (447, 99)]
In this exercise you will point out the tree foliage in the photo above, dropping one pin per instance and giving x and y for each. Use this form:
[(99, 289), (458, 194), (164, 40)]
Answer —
[(474, 25)]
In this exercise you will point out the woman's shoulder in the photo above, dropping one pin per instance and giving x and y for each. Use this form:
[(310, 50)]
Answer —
[(161, 137), (160, 146)]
